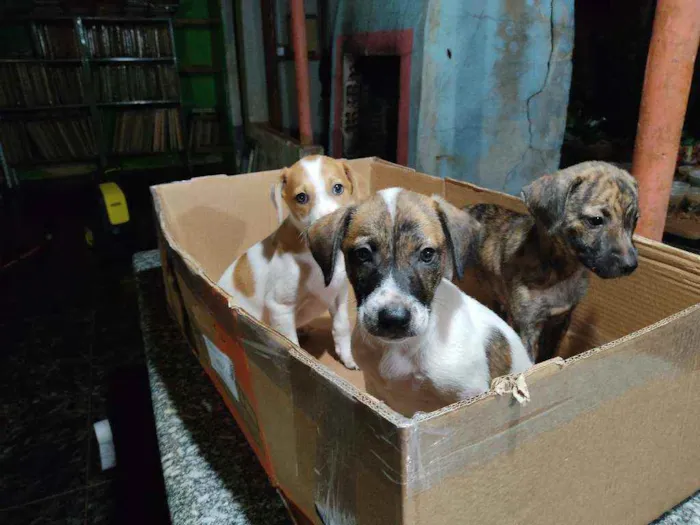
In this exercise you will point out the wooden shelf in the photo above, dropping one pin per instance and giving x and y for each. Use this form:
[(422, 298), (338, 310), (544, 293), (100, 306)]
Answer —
[(6, 18), (137, 103), (57, 162), (289, 55), (137, 154), (64, 107), (105, 161), (212, 150), (127, 19), (199, 70), (75, 61), (195, 22), (137, 60)]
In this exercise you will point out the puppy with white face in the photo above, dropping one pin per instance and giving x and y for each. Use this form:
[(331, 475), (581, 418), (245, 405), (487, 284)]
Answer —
[(420, 341), (277, 280)]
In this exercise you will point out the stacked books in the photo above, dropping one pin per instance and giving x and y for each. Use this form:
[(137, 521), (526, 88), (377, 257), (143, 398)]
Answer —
[(124, 40), (115, 83), (54, 41), (29, 85), (148, 131), (66, 139), (204, 133)]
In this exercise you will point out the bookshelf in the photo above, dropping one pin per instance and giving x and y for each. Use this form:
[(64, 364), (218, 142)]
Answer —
[(101, 93), (200, 43)]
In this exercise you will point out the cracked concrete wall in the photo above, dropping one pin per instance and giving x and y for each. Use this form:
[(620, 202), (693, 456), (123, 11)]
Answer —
[(489, 83), (493, 107)]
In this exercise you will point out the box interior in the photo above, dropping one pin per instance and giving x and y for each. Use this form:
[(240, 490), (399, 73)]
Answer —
[(214, 219)]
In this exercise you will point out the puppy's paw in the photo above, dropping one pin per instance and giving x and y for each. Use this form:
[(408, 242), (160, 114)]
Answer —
[(347, 360)]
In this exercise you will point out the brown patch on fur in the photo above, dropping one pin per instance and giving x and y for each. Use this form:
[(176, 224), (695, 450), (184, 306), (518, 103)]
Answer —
[(285, 239), (498, 355), (294, 181), (268, 245), (338, 172), (416, 226), (243, 280), (371, 219), (288, 239)]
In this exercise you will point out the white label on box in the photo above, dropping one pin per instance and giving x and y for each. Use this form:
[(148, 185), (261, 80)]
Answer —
[(223, 366)]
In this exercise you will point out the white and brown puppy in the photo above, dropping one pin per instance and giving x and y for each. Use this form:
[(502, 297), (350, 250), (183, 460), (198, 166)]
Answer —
[(277, 279), (420, 341)]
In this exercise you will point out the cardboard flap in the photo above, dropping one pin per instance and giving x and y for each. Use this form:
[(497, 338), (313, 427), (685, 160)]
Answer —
[(588, 430)]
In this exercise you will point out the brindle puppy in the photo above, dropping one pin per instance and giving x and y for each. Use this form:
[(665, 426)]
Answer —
[(582, 218)]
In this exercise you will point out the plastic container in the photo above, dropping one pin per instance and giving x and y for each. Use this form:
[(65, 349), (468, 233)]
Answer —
[(694, 176), (684, 171), (693, 197), (678, 192)]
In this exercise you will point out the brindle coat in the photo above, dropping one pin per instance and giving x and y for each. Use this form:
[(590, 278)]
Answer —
[(582, 218)]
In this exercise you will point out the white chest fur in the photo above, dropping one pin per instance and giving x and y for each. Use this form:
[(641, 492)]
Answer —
[(445, 364)]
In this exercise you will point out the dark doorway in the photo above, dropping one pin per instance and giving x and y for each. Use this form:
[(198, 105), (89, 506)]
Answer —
[(371, 106)]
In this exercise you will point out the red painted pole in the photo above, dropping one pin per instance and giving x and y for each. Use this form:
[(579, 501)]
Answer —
[(669, 72), (301, 66)]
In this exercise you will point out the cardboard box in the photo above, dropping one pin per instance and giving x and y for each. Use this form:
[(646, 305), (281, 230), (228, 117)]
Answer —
[(611, 434)]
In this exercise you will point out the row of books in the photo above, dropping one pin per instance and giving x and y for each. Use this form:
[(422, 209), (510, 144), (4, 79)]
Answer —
[(150, 131), (54, 40), (119, 40), (204, 133), (29, 85), (135, 82), (47, 140)]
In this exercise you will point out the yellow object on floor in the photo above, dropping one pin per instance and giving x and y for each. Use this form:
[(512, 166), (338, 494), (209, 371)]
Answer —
[(115, 203)]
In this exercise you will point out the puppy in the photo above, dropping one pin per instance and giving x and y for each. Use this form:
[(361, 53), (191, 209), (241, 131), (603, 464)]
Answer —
[(537, 266), (421, 342), (277, 280)]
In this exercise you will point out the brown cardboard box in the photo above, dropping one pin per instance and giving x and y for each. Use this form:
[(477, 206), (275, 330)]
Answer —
[(611, 435)]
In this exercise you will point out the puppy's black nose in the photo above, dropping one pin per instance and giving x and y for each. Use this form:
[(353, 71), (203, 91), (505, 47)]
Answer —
[(628, 266), (394, 318)]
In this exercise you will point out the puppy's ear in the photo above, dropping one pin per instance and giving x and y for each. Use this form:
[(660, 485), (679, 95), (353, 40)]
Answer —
[(546, 197), (350, 175), (325, 237), (462, 233), (276, 195)]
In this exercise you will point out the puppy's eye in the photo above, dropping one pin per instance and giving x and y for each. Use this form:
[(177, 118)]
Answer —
[(338, 189), (302, 198), (427, 255), (363, 254), (595, 221)]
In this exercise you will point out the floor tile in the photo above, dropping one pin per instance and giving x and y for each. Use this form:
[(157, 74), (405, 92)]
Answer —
[(43, 469), (43, 425), (65, 509), (101, 507)]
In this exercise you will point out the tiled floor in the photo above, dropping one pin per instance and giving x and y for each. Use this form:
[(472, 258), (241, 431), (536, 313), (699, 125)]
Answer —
[(68, 325)]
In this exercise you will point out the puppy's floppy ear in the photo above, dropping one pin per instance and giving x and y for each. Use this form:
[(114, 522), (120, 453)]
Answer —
[(276, 195), (462, 232), (546, 197), (325, 237), (350, 175)]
